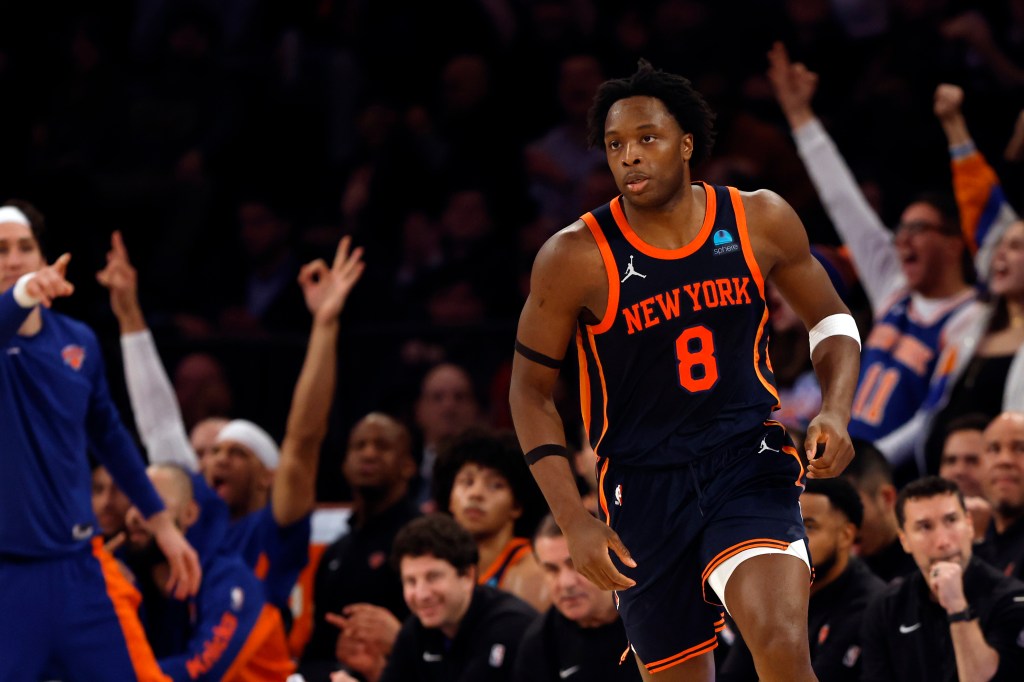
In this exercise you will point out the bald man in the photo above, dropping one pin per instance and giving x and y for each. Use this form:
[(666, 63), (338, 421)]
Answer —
[(1002, 482)]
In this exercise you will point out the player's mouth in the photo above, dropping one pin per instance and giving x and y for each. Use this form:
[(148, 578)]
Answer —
[(636, 182), (474, 513), (219, 485)]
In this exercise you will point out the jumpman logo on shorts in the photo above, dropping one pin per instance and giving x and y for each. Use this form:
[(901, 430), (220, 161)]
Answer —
[(630, 271), (764, 446)]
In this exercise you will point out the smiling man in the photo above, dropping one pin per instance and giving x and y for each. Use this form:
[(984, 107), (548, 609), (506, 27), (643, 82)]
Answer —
[(459, 631), (913, 276), (581, 636), (956, 613)]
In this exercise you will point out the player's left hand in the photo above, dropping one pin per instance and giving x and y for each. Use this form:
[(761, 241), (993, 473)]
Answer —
[(186, 574), (830, 431)]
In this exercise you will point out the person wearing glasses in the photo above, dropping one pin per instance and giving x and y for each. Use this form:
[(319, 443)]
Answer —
[(916, 279)]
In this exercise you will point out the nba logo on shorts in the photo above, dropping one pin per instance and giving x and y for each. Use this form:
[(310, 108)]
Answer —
[(497, 656), (618, 495)]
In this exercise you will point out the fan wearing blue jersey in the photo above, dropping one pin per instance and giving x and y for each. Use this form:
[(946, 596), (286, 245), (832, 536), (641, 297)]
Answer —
[(54, 573), (662, 290), (915, 278)]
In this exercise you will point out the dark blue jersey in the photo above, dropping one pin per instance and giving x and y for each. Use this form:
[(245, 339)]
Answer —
[(678, 364), (276, 554), (55, 407)]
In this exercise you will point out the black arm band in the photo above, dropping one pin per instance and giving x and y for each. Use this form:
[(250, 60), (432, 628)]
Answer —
[(962, 616), (539, 358), (542, 451)]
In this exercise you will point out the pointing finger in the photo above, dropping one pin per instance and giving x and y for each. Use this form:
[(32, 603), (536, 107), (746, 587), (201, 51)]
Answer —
[(61, 264)]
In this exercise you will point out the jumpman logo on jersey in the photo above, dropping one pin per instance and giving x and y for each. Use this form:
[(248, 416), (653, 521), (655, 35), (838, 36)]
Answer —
[(630, 271), (764, 446)]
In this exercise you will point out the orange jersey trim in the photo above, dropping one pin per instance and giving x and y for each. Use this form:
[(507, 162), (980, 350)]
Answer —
[(790, 450), (682, 656), (601, 498), (730, 552), (262, 566), (510, 555), (667, 254), (584, 382), (604, 392), (586, 385), (755, 270), (126, 600), (611, 271), (302, 602), (264, 657)]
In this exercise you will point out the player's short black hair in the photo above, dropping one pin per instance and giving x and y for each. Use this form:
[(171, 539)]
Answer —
[(841, 495), (687, 106), (924, 488), (437, 535), (497, 450)]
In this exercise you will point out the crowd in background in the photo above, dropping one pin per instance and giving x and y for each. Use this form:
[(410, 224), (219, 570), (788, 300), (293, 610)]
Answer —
[(232, 142)]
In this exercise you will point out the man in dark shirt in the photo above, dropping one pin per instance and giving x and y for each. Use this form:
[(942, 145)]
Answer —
[(1002, 481), (354, 571), (955, 618), (459, 631), (877, 541), (581, 636), (842, 588)]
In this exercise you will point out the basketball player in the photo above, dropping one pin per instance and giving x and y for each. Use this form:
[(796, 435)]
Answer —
[(663, 290), (58, 585)]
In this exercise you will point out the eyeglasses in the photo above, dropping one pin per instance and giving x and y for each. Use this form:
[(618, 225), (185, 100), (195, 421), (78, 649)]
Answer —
[(915, 227)]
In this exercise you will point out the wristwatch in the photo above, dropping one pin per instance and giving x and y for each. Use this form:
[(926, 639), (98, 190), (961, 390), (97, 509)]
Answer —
[(962, 616)]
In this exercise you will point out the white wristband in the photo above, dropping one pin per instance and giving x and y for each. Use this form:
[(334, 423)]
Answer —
[(21, 295), (842, 324)]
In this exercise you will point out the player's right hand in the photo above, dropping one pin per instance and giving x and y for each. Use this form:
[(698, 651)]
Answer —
[(326, 289), (51, 282), (589, 541)]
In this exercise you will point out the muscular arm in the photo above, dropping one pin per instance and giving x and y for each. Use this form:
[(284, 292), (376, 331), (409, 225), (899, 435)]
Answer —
[(781, 247), (325, 290), (567, 279)]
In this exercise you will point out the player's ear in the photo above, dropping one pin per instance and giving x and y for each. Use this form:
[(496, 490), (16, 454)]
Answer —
[(190, 514), (686, 146)]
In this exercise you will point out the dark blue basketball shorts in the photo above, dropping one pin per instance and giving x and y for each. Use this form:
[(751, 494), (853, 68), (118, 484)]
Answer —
[(72, 618), (681, 524)]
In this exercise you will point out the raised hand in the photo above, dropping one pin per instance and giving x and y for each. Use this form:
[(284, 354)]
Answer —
[(326, 289), (121, 280), (50, 282), (794, 85), (948, 101)]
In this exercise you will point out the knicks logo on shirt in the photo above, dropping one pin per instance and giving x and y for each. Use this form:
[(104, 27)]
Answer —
[(73, 356)]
